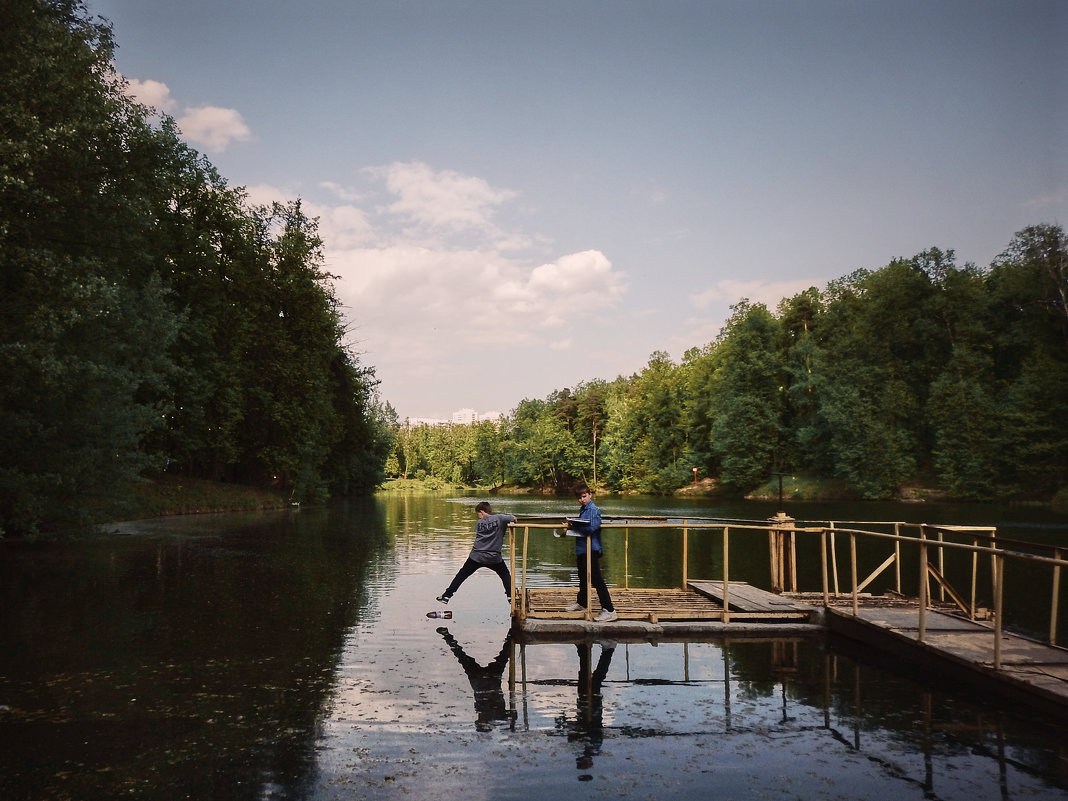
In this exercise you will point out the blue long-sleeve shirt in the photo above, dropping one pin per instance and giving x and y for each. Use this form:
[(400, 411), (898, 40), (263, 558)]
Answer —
[(588, 522)]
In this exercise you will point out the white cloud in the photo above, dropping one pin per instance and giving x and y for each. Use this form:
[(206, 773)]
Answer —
[(343, 192), (443, 200), (213, 127), (454, 293), (151, 93), (265, 194), (434, 288)]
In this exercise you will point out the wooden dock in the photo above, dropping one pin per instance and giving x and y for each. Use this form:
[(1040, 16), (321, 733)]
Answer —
[(920, 616), (670, 613), (952, 645)]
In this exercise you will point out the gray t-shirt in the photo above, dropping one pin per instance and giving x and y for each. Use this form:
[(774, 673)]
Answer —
[(489, 536)]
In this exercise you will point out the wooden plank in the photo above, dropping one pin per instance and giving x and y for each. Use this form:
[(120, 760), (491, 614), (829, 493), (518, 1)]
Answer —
[(655, 605), (1033, 668), (746, 598), (631, 604)]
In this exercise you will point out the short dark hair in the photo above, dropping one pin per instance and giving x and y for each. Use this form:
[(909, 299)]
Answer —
[(582, 489), (483, 506)]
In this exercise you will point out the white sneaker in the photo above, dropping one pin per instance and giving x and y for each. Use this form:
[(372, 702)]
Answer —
[(575, 607), (606, 617)]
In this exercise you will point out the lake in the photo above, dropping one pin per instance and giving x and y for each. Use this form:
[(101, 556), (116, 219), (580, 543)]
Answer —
[(288, 655)]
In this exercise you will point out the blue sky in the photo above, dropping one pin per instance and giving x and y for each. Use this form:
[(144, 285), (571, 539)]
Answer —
[(519, 196)]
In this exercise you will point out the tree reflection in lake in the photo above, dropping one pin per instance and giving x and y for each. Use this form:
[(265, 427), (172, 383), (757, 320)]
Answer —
[(288, 656)]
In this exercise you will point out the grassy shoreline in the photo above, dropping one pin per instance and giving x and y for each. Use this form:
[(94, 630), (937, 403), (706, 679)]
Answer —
[(178, 495), (165, 495)]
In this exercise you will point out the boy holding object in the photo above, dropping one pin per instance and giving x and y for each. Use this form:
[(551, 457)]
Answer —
[(588, 524), (486, 552)]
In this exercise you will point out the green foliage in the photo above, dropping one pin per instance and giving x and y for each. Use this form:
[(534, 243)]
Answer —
[(963, 413), (919, 368), (543, 451), (152, 317), (745, 394)]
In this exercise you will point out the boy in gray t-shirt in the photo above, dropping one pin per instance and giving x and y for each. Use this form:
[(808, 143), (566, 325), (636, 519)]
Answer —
[(486, 552)]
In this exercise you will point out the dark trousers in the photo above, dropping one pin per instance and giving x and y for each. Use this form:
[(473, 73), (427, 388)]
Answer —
[(598, 582), (470, 566)]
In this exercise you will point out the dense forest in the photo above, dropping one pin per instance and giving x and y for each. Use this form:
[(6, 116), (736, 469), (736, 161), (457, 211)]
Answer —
[(923, 371), (152, 318)]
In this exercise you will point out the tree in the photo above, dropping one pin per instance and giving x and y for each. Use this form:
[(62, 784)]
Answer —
[(543, 450), (152, 318), (490, 452), (87, 322), (1030, 280), (968, 433), (746, 397)]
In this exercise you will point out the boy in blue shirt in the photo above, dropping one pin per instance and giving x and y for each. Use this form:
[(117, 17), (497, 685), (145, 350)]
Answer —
[(588, 523)]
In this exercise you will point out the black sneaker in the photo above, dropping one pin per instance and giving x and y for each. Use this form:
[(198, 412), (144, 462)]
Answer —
[(443, 599)]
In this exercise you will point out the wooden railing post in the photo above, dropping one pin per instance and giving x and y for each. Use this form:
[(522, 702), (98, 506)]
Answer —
[(1057, 554), (823, 565), (511, 560), (783, 553), (589, 579), (922, 626), (523, 595), (897, 556), (726, 575), (773, 557), (997, 568), (685, 552), (941, 566), (834, 560), (853, 569)]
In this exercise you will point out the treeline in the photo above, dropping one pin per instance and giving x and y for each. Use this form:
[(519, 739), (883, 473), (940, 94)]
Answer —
[(955, 377), (152, 318)]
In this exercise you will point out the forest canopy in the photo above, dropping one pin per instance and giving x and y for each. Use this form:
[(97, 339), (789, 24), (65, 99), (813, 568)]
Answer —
[(922, 371), (153, 319)]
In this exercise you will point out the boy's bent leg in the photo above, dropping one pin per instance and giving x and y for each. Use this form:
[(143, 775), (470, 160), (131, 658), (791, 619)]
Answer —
[(464, 573), (501, 569)]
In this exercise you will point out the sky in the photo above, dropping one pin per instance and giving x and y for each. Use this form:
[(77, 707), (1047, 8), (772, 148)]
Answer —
[(516, 197)]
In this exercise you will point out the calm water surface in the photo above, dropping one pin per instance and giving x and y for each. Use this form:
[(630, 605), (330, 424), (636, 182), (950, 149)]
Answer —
[(289, 656)]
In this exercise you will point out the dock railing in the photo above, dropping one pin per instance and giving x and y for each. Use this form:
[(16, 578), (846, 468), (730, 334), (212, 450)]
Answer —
[(931, 545)]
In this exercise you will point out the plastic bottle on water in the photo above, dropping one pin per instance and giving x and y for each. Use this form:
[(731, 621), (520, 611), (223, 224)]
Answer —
[(447, 614)]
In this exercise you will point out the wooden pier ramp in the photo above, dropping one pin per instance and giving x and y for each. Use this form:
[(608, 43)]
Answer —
[(952, 645)]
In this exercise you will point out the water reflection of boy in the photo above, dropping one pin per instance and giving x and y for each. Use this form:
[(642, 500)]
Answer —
[(490, 706), (589, 719), (486, 551)]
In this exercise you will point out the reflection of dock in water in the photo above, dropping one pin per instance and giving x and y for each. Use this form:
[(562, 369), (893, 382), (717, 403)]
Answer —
[(730, 694)]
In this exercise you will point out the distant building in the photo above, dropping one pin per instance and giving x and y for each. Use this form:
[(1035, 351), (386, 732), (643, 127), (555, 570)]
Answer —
[(415, 422), (464, 417), (461, 417)]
